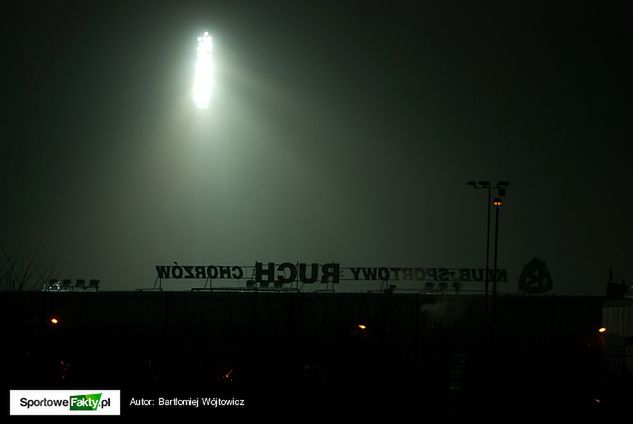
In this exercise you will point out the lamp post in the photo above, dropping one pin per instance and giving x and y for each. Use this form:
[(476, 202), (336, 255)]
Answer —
[(501, 188), (497, 203)]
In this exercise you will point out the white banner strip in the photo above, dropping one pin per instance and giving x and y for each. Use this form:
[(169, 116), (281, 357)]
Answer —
[(65, 402)]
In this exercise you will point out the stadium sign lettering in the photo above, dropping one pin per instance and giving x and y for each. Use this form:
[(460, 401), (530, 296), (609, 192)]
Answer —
[(310, 273)]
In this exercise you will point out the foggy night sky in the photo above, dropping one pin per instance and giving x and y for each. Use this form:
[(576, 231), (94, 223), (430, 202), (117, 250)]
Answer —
[(338, 131)]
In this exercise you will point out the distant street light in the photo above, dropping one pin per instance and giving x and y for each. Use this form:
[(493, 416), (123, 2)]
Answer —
[(203, 80), (497, 203), (501, 187)]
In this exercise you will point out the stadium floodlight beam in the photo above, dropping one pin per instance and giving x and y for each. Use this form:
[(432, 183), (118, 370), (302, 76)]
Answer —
[(203, 81)]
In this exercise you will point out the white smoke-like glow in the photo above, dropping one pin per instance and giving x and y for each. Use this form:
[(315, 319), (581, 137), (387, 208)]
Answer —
[(203, 81)]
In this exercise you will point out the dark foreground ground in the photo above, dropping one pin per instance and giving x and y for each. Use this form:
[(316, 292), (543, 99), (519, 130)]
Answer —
[(299, 355)]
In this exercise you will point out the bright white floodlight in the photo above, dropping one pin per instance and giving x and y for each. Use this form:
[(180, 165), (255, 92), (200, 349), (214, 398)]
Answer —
[(203, 82)]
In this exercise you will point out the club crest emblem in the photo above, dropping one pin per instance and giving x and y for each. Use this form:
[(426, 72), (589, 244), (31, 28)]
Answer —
[(535, 277)]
